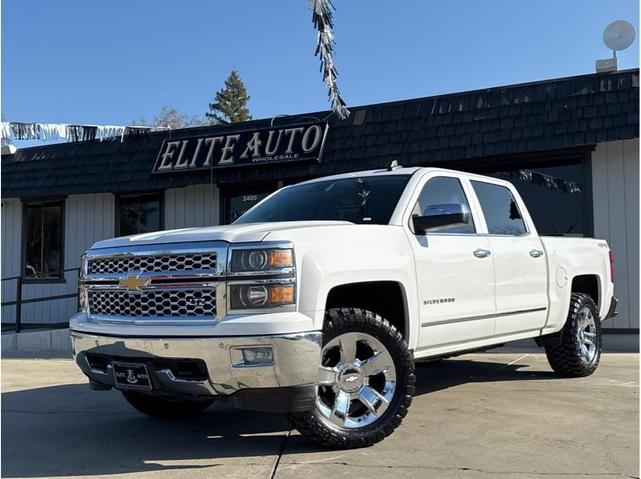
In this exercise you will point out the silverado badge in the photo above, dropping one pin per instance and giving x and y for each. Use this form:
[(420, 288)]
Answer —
[(134, 283)]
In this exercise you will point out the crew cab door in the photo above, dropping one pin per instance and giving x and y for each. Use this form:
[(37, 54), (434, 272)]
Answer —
[(455, 274), (520, 267)]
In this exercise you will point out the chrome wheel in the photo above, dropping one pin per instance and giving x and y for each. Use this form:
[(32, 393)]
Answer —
[(357, 381), (587, 334), (576, 351)]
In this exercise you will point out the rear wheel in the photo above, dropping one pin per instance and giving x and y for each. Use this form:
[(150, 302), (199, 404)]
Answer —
[(366, 381), (161, 408), (578, 350)]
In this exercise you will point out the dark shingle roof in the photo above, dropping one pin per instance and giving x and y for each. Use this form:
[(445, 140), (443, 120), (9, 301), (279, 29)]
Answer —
[(475, 126)]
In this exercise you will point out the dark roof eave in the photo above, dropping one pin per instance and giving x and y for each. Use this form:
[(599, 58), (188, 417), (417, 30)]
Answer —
[(526, 118)]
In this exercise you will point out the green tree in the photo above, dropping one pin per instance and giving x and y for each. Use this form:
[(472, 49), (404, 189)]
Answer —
[(230, 103)]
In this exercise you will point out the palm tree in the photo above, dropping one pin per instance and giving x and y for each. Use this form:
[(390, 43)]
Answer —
[(322, 17)]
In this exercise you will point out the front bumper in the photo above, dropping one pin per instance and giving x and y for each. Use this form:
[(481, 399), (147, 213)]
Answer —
[(201, 367)]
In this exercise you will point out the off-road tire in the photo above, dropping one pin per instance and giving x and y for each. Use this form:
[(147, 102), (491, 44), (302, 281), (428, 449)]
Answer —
[(564, 352), (345, 320), (159, 408)]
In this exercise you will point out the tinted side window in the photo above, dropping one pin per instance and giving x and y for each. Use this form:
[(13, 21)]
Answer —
[(500, 209), (441, 191), (554, 196)]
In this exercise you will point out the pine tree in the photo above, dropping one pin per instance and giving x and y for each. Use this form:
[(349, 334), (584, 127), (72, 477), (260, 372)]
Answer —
[(230, 103)]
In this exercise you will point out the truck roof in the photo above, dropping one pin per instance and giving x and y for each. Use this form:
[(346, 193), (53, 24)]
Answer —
[(355, 174), (399, 170)]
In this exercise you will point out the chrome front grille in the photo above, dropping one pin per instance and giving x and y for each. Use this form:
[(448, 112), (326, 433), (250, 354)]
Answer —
[(152, 264), (171, 281), (153, 303)]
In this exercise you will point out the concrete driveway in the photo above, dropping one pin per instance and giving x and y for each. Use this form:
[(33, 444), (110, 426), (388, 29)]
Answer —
[(478, 416)]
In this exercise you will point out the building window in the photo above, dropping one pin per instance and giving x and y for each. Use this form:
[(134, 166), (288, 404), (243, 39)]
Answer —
[(43, 241), (239, 199), (137, 214), (501, 212)]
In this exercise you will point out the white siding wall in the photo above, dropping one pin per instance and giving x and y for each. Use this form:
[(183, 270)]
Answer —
[(88, 218), (196, 205), (615, 183)]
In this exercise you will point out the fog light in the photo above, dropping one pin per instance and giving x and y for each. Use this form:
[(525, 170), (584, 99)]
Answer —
[(258, 356), (252, 356)]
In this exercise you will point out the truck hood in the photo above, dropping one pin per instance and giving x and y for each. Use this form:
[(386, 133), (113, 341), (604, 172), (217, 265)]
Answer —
[(230, 233)]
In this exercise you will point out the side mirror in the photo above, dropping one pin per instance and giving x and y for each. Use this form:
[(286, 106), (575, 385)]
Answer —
[(438, 216)]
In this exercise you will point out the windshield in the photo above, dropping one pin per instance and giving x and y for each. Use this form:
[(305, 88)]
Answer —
[(361, 200)]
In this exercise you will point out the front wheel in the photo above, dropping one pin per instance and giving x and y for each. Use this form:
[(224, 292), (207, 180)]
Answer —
[(160, 408), (366, 381), (578, 350)]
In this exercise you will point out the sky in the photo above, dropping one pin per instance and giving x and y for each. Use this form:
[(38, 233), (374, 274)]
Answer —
[(110, 62)]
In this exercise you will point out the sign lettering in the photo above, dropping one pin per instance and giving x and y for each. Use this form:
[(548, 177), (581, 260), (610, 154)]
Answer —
[(255, 147)]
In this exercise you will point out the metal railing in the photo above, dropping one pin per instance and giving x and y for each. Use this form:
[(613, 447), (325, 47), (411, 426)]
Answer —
[(18, 302)]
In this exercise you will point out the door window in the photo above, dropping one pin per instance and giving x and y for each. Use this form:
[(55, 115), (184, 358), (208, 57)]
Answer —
[(500, 209), (441, 191), (555, 196)]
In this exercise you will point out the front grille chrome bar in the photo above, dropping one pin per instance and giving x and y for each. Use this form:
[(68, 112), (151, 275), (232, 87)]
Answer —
[(151, 287), (156, 276)]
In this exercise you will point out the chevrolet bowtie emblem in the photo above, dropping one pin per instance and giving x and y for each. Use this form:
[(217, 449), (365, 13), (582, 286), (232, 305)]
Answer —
[(134, 283)]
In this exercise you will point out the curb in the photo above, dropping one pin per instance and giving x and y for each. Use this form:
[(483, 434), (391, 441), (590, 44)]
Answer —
[(49, 341)]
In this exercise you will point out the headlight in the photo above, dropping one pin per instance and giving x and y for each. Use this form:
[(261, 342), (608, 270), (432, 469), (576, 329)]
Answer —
[(261, 278), (257, 296), (263, 260)]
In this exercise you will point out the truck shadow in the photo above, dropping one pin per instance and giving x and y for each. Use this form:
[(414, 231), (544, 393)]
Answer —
[(70, 430), (434, 376)]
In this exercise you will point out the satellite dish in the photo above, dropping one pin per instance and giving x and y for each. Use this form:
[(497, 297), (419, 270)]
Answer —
[(619, 35)]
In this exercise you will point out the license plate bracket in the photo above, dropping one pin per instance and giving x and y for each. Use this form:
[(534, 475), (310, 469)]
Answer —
[(131, 376)]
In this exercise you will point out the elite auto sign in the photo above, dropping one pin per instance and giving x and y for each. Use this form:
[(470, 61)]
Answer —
[(303, 142)]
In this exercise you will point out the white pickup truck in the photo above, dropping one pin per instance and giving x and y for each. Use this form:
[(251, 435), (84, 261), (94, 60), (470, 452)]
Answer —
[(318, 301)]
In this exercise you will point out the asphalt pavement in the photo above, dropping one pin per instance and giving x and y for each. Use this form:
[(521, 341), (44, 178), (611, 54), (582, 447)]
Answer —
[(476, 416)]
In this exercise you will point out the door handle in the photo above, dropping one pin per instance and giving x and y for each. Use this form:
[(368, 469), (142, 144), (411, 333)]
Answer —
[(536, 253), (482, 253)]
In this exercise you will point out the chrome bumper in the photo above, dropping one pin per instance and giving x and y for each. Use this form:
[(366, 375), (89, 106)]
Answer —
[(296, 361)]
